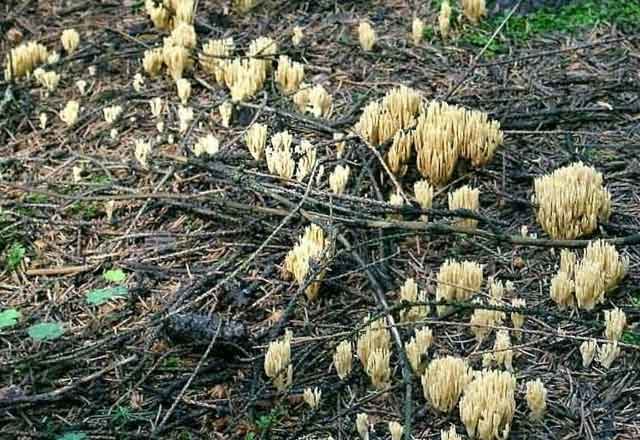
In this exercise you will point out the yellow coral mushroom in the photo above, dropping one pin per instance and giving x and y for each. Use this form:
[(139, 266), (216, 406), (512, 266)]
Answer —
[(571, 201), (444, 380)]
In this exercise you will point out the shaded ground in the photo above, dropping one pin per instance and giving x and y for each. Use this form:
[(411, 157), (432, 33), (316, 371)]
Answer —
[(208, 236)]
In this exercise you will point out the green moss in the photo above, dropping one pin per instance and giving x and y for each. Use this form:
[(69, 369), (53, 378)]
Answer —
[(37, 198), (630, 337), (86, 210), (569, 19)]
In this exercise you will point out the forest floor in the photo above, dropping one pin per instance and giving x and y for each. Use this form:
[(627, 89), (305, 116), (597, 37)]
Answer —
[(139, 302)]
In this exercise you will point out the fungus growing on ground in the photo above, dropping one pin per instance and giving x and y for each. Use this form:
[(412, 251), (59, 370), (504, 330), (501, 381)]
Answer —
[(615, 322), (343, 359), (339, 178), (482, 320), (312, 397), (138, 82), (261, 51), (319, 102), (561, 290), (417, 30), (465, 198), (184, 90), (277, 362), (446, 132), (183, 35), (111, 113), (159, 14), (444, 19), (156, 105), (142, 152), (567, 262), (70, 40), (488, 405), (307, 153), (366, 36), (571, 201), (362, 426), (378, 368), (536, 398), (589, 284), (612, 266), (166, 14), (243, 78), (69, 113), (600, 270), (341, 146), (214, 57), (177, 59), (417, 346), (22, 60), (588, 351), (208, 144), (308, 250), (152, 62), (423, 192), (256, 140), (409, 292), (185, 116), (457, 281), (298, 35), (474, 10), (226, 112), (82, 86), (517, 319), (396, 430), (444, 380), (289, 74), (375, 337), (279, 158), (43, 120), (607, 353), (381, 120), (451, 434), (49, 80), (502, 352), (400, 152)]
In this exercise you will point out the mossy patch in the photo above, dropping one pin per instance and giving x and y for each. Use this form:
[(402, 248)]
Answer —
[(569, 19)]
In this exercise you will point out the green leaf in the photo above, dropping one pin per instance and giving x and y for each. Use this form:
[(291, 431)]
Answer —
[(100, 296), (630, 337), (115, 276), (15, 254), (73, 436), (45, 331), (9, 318)]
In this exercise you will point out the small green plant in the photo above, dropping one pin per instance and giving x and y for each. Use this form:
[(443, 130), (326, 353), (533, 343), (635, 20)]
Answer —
[(45, 331), (100, 179), (122, 415), (172, 362), (9, 318), (265, 422), (15, 255), (100, 296), (37, 199), (86, 210), (114, 276), (631, 337)]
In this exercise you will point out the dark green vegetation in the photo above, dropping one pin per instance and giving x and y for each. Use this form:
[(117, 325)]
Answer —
[(569, 19)]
